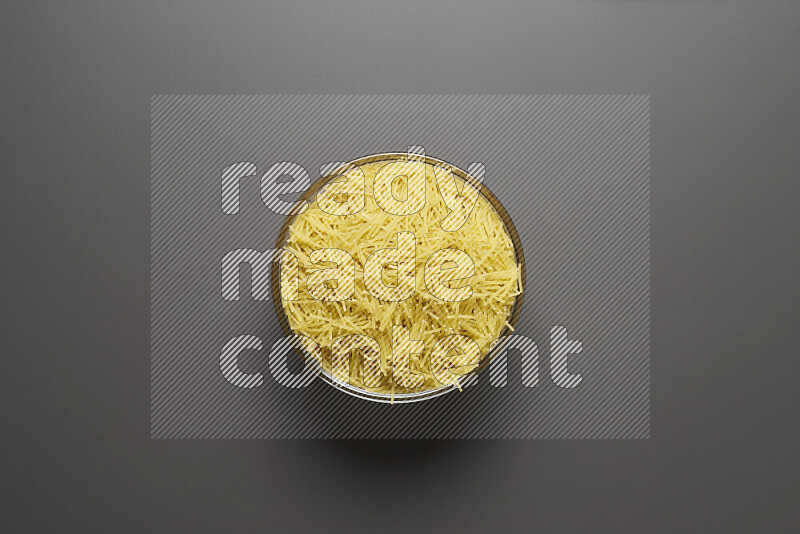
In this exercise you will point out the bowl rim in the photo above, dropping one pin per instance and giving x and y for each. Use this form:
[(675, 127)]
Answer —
[(393, 398)]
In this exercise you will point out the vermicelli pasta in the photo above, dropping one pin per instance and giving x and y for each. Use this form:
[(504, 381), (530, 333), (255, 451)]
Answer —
[(482, 317)]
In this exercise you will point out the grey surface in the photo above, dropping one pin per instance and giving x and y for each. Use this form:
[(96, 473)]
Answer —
[(77, 80)]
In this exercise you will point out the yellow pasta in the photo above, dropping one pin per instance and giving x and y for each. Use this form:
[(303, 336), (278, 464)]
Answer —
[(483, 314)]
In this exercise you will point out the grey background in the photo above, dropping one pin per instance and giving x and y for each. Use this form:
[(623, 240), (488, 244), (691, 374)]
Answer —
[(571, 171), (77, 81)]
